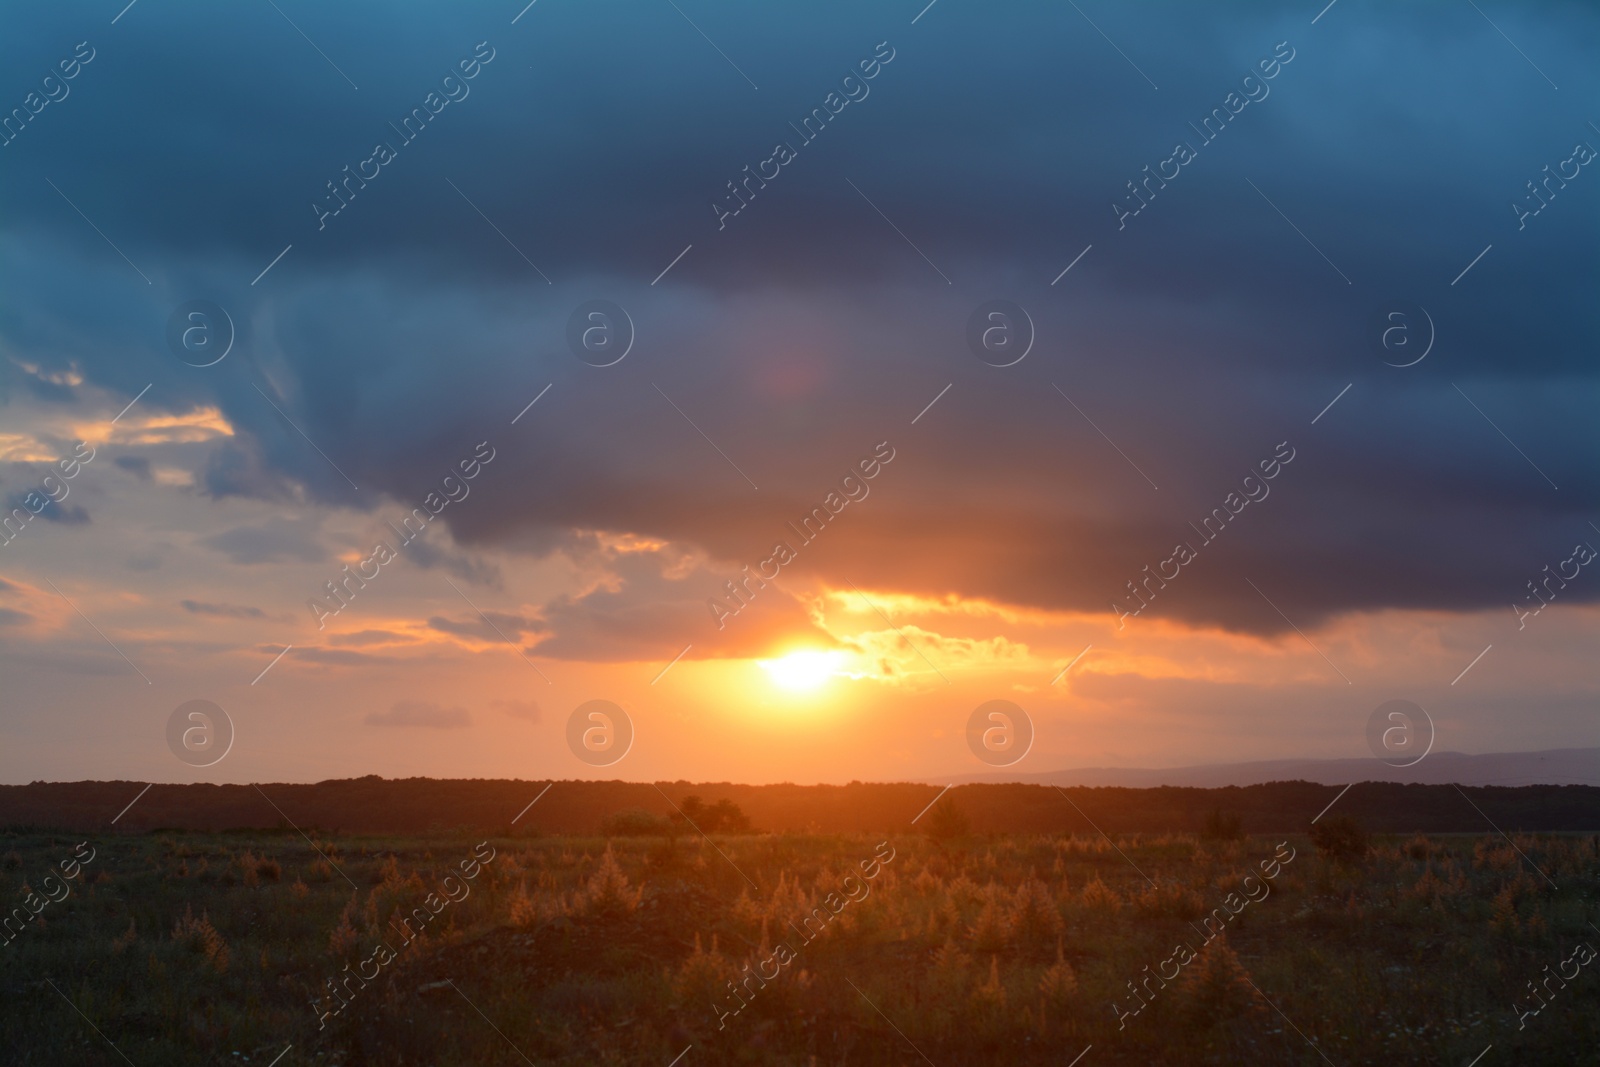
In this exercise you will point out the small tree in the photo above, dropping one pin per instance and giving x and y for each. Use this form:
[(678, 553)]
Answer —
[(723, 817), (946, 822), (691, 810), (1217, 988), (1340, 839)]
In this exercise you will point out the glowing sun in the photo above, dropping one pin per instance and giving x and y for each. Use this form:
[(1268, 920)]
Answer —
[(802, 670)]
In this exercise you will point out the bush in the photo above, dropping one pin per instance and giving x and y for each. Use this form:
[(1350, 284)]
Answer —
[(1222, 826), (1340, 839), (633, 822)]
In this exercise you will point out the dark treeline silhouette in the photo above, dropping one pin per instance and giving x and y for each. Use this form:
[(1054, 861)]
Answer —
[(376, 805)]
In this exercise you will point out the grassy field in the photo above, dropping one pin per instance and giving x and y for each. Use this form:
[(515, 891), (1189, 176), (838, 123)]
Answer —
[(188, 948)]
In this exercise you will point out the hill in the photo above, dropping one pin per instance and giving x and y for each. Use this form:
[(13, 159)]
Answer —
[(374, 805), (1557, 766)]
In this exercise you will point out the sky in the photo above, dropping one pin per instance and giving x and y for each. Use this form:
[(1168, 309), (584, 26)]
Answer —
[(1196, 379)]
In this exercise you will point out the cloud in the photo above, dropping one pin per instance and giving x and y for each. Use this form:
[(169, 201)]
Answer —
[(490, 626), (805, 330), (526, 710), (369, 637), (420, 713), (222, 611), (277, 540), (460, 564), (52, 511), (340, 657), (638, 613), (8, 617), (138, 466), (234, 469)]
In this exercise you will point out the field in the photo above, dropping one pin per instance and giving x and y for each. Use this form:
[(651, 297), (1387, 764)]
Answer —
[(206, 948)]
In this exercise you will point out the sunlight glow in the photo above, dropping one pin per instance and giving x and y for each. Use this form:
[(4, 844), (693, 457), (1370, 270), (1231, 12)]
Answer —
[(801, 670)]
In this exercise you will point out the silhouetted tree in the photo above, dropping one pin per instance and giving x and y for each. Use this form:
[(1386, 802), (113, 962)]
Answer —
[(1340, 838), (692, 809), (946, 822), (728, 818), (723, 817)]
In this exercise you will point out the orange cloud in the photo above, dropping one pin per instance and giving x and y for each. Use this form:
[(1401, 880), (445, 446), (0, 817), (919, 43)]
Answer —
[(200, 424)]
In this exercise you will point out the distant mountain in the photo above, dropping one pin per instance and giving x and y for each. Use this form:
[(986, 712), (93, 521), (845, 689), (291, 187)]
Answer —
[(1556, 766)]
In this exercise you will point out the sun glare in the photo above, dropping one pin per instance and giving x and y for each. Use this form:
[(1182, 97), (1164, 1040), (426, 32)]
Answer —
[(802, 670)]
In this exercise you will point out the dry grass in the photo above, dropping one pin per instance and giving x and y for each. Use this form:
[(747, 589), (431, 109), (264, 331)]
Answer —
[(989, 951)]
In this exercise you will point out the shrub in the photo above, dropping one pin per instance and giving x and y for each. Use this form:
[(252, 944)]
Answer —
[(1340, 839), (522, 912), (1174, 899), (1216, 987), (702, 975), (607, 893), (1058, 983), (1035, 921), (949, 973), (343, 940), (1097, 895), (992, 929), (200, 937), (990, 997)]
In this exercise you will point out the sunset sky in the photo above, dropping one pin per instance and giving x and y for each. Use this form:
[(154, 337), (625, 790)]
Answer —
[(1211, 342)]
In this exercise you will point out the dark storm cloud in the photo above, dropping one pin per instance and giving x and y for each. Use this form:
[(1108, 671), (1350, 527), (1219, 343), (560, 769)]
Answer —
[(1198, 336)]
